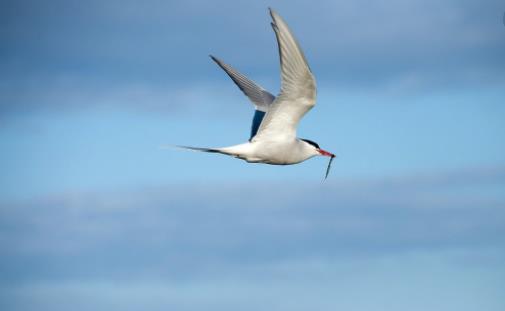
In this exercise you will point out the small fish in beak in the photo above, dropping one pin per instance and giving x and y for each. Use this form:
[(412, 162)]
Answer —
[(327, 154), (329, 166)]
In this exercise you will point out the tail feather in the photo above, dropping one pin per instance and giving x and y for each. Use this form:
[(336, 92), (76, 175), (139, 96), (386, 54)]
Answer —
[(211, 150), (237, 151)]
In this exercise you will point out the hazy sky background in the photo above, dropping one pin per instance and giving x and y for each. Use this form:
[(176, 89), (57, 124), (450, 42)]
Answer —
[(95, 216)]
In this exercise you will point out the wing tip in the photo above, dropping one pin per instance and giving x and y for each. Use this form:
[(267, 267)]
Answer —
[(272, 11), (274, 15), (220, 63), (217, 60)]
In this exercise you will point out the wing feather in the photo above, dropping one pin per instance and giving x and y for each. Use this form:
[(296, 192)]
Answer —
[(258, 95), (298, 87)]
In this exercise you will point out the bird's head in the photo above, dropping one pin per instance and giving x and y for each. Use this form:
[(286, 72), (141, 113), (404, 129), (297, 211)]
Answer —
[(316, 150)]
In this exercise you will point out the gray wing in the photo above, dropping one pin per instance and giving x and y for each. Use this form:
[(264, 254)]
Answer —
[(261, 98), (298, 87), (258, 95)]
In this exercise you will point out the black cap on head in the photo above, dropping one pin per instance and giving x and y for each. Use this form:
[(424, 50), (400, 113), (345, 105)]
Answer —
[(311, 143)]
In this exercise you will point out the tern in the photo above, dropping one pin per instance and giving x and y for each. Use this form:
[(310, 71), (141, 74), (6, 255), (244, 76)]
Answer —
[(273, 137)]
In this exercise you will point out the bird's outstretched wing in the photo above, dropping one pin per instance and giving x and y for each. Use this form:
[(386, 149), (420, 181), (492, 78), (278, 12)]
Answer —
[(298, 87), (260, 97)]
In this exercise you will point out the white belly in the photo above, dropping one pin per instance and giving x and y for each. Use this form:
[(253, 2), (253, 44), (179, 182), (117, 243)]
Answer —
[(270, 152), (277, 153)]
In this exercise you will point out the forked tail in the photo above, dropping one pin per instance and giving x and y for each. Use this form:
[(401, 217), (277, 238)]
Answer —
[(237, 151), (211, 150)]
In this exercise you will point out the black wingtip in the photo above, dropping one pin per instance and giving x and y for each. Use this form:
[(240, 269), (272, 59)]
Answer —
[(272, 13), (215, 59), (220, 64)]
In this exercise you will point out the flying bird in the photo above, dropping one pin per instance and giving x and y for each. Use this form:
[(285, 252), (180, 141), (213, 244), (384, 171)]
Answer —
[(273, 137)]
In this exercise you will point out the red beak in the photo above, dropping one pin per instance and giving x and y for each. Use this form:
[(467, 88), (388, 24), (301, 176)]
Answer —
[(326, 153)]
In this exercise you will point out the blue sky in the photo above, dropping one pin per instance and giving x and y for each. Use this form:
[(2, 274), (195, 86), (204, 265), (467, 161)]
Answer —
[(94, 214)]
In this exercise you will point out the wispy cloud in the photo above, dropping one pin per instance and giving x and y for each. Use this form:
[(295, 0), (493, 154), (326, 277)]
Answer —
[(183, 236), (162, 246), (211, 227), (405, 46), (70, 92)]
